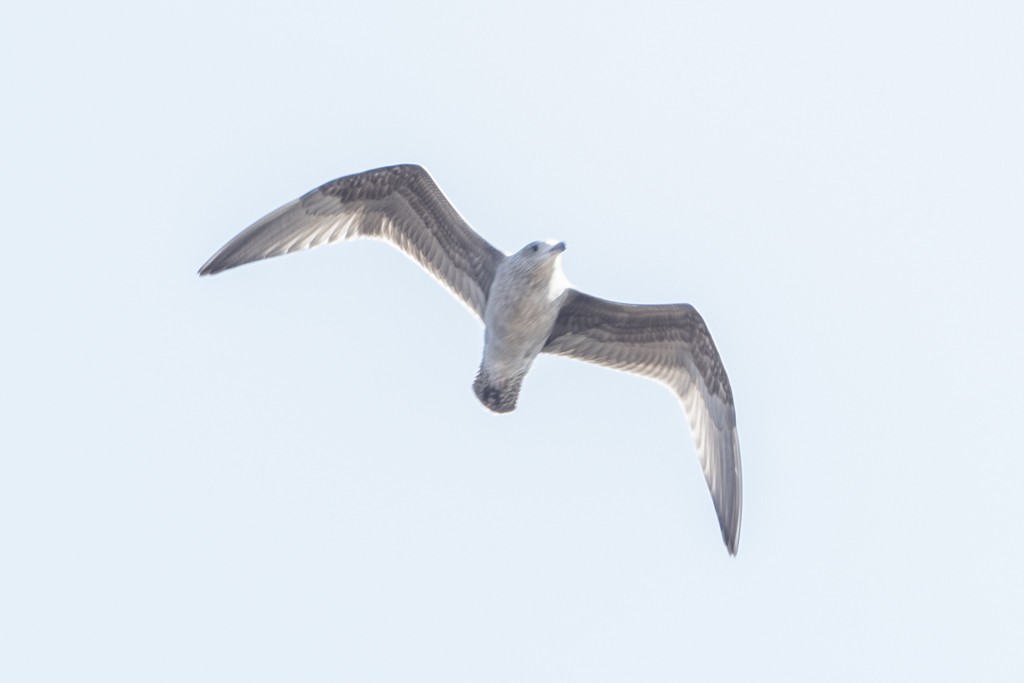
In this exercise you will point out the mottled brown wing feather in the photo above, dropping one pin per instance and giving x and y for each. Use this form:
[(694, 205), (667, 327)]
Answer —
[(399, 204), (669, 343)]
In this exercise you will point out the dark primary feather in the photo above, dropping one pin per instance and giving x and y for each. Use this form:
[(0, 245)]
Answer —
[(400, 204), (669, 343)]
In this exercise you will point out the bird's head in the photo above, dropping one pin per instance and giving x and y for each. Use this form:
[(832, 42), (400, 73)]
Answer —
[(539, 252), (540, 262), (540, 258)]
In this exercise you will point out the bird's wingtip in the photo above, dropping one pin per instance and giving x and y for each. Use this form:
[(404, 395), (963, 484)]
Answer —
[(213, 266), (732, 542)]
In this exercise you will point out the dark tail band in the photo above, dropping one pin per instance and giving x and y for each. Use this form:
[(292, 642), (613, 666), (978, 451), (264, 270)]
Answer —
[(499, 396)]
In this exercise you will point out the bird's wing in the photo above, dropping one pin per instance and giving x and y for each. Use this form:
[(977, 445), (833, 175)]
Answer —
[(399, 204), (671, 344)]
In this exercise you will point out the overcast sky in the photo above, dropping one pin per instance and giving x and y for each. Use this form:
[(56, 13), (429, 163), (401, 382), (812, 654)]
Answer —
[(282, 473)]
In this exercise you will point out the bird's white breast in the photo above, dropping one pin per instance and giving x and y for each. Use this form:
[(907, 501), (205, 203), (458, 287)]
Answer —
[(520, 314)]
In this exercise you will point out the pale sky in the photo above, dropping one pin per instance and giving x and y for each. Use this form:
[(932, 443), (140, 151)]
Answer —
[(282, 473)]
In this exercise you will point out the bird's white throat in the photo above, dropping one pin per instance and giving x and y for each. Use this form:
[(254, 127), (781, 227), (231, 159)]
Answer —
[(559, 282)]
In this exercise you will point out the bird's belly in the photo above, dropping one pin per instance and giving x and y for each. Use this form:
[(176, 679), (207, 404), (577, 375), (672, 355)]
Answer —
[(509, 350), (513, 339)]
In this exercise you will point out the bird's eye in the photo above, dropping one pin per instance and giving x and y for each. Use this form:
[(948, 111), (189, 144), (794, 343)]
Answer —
[(534, 247)]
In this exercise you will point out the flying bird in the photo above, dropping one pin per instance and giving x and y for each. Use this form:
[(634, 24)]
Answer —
[(525, 303)]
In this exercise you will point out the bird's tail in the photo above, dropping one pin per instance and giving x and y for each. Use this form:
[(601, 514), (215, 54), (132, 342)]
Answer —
[(498, 395)]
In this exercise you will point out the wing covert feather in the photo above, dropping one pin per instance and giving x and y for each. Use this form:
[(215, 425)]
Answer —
[(669, 343), (398, 204)]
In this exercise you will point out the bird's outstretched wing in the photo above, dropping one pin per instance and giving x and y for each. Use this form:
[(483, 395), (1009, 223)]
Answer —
[(669, 343), (399, 204)]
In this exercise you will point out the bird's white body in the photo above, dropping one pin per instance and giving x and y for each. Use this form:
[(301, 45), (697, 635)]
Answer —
[(521, 310)]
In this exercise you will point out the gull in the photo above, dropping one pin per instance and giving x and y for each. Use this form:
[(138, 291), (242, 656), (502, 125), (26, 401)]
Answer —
[(525, 303)]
